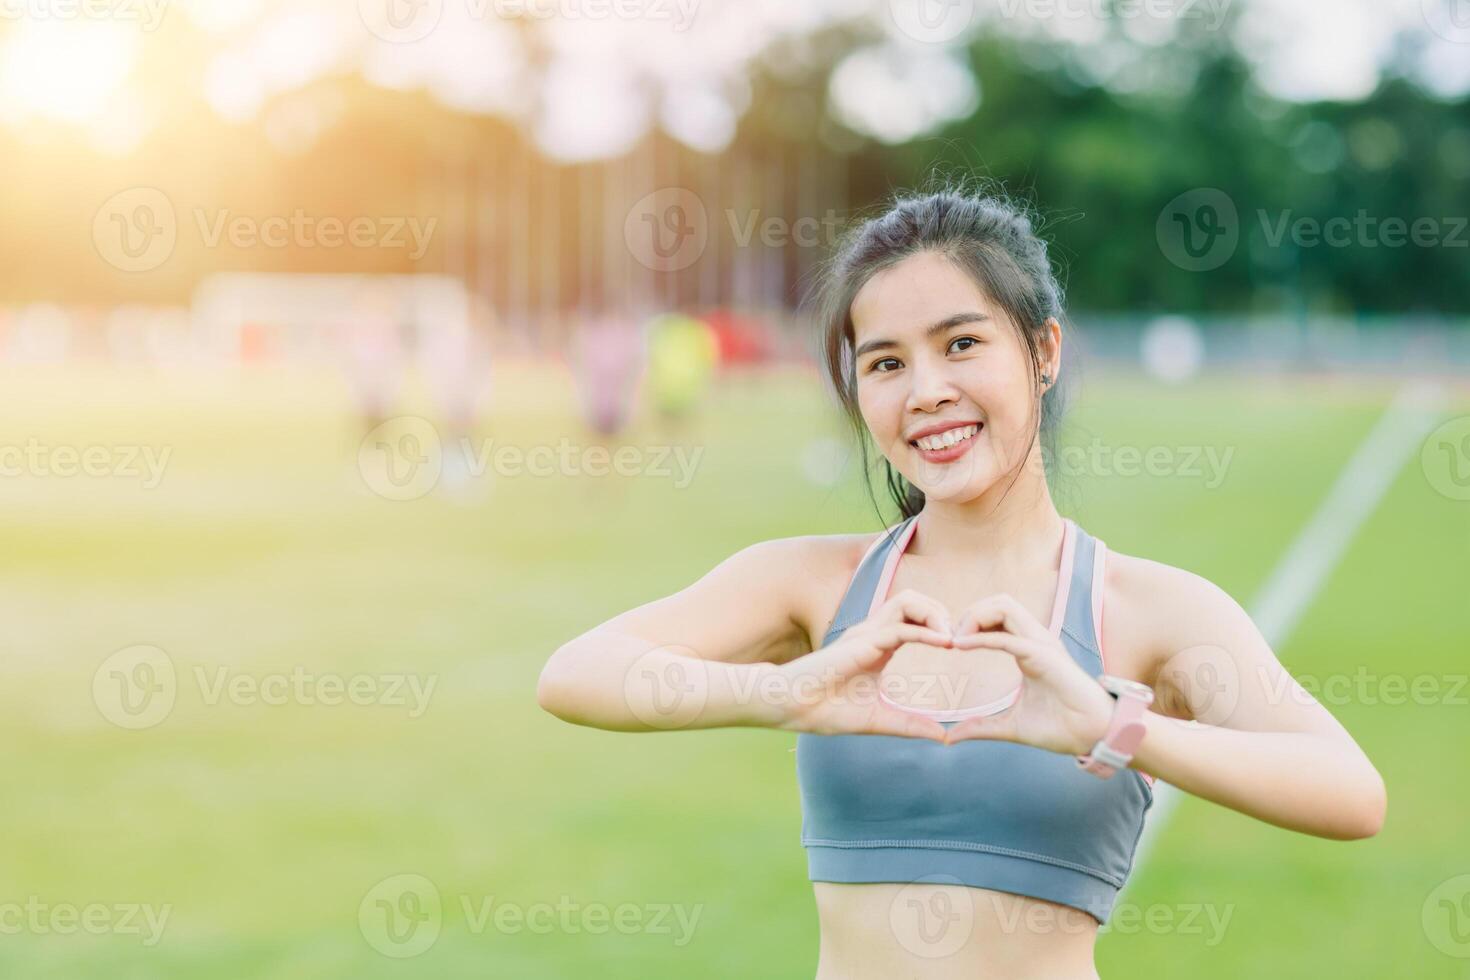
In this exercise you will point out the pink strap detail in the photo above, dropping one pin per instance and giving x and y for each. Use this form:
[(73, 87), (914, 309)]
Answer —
[(1058, 615), (890, 566), (1064, 576), (956, 714)]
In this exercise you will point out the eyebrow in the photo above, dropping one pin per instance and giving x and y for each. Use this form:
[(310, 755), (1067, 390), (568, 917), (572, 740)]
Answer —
[(948, 323)]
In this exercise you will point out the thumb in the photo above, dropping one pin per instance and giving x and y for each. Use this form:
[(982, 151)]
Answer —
[(893, 721), (871, 657), (874, 649), (1001, 727)]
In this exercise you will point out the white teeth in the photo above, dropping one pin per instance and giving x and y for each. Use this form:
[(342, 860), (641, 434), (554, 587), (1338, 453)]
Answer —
[(947, 438)]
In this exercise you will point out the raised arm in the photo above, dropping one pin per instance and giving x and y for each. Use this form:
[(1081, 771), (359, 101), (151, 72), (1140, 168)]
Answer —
[(694, 659), (1231, 724)]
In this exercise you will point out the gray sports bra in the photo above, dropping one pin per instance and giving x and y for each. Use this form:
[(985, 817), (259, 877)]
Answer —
[(990, 814)]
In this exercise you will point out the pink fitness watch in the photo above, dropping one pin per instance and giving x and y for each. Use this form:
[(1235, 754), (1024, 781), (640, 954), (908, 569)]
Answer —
[(1126, 729)]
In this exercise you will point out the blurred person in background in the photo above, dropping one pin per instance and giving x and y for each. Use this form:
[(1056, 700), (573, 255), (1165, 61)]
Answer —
[(607, 362), (374, 355), (682, 354), (456, 364), (607, 365)]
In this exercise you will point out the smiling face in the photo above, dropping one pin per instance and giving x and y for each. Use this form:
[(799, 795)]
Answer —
[(943, 378)]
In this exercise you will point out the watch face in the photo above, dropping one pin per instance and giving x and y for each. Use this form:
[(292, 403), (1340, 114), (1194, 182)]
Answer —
[(1123, 687)]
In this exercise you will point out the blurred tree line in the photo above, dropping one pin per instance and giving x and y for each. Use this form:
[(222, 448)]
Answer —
[(1099, 153), (1099, 165)]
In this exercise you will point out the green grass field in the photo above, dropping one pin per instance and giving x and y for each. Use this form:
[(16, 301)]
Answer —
[(263, 828)]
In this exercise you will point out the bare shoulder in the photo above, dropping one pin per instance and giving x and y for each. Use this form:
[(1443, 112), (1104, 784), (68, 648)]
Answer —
[(1152, 611), (816, 568)]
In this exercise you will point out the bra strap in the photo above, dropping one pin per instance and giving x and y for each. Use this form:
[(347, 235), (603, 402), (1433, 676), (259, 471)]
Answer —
[(858, 598)]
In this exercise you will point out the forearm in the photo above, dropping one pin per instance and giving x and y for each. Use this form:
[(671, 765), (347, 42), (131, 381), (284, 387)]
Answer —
[(624, 683), (1304, 782)]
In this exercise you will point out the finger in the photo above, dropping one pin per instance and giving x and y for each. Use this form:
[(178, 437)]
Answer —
[(892, 636), (999, 612), (916, 607), (1001, 727), (872, 650), (1030, 655), (905, 724)]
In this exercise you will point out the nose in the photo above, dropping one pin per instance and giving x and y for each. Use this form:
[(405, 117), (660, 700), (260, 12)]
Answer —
[(930, 386)]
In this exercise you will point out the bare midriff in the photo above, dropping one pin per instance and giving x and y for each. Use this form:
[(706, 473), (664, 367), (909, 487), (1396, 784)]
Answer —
[(885, 930)]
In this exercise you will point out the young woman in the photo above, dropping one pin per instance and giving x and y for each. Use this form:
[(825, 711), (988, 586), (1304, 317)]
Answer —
[(983, 831)]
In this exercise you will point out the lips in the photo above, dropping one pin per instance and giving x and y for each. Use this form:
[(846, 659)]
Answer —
[(944, 444)]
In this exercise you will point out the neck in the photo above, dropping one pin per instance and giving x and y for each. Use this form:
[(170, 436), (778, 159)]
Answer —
[(1005, 524)]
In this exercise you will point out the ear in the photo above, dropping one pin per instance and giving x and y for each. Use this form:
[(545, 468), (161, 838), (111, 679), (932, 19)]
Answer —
[(1051, 351)]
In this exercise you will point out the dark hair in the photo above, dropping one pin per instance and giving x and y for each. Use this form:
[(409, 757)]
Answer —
[(988, 236)]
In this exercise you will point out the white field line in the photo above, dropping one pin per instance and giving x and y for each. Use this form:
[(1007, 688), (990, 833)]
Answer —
[(1306, 565)]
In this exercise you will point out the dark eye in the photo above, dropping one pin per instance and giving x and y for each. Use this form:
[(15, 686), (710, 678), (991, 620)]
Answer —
[(882, 360), (972, 342)]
